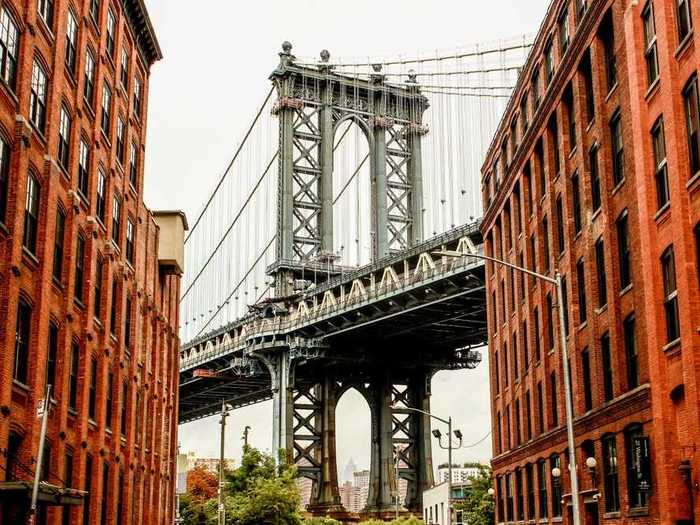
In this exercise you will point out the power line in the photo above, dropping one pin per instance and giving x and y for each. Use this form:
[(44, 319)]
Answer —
[(228, 168), (437, 73), (477, 95)]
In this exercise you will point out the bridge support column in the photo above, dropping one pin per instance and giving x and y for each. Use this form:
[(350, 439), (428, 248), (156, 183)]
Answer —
[(282, 405), (381, 482), (326, 180), (380, 214)]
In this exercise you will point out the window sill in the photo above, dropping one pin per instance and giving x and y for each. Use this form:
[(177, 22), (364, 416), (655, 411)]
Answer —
[(611, 515), (611, 91), (672, 347), (596, 213), (684, 45), (653, 89), (77, 302), (72, 412), (69, 75), (29, 258), (589, 126), (601, 309), (3, 229), (692, 184), (46, 30), (638, 511), (618, 186), (661, 215), (16, 383), (626, 289), (582, 325), (56, 283), (88, 109), (573, 152)]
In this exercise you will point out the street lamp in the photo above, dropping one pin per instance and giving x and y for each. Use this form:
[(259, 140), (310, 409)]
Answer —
[(438, 435), (221, 511), (557, 282)]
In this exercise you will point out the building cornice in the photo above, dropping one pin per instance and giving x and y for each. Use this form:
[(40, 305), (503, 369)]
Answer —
[(144, 33)]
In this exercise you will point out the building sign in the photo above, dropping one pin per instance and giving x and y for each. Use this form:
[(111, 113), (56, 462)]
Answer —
[(641, 460)]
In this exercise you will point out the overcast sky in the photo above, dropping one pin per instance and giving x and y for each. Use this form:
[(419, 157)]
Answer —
[(218, 55)]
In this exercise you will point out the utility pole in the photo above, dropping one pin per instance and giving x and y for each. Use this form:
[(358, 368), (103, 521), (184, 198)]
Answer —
[(43, 412), (222, 509), (246, 430)]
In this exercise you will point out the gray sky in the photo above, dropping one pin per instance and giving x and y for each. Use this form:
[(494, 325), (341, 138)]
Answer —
[(202, 98)]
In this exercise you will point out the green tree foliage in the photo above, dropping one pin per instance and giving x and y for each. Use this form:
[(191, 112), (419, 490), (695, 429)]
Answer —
[(408, 520), (478, 506), (321, 521)]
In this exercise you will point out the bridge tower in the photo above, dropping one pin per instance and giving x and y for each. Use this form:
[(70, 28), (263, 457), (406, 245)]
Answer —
[(312, 102)]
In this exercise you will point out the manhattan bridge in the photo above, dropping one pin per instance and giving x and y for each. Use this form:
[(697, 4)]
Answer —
[(312, 267)]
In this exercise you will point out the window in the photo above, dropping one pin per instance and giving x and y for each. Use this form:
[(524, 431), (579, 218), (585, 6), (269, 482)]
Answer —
[(120, 141), (125, 397), (548, 62), (106, 109), (9, 47), (68, 482), (564, 31), (83, 168), (31, 214), (105, 494), (545, 240), (612, 491), (631, 354), (539, 156), (116, 219), (650, 53), (561, 241), (99, 276), (108, 400), (692, 119), (88, 486), (607, 35), (550, 323), (37, 97), (73, 376), (520, 510), (45, 8), (638, 467), (127, 330), (137, 97), (535, 88), (697, 248), (95, 11), (509, 497), (79, 268), (685, 21), (4, 177), (581, 285), (576, 197), (542, 478), (516, 371), (59, 238), (555, 462), (22, 334), (587, 74), (537, 332), (64, 128), (523, 115), (124, 73), (586, 379), (668, 269), (133, 165), (540, 407), (623, 250), (101, 195), (600, 269), (570, 115), (92, 389), (526, 351), (89, 88), (554, 137), (530, 482), (607, 367), (618, 156), (52, 357), (660, 168), (596, 198), (130, 241), (506, 370), (71, 41), (111, 28), (528, 416), (553, 401), (114, 308)]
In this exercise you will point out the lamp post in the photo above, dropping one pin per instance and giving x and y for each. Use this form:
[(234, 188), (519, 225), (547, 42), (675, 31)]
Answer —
[(449, 448), (569, 404), (221, 511)]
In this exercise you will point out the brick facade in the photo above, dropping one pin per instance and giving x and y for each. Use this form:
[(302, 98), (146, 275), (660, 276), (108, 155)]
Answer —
[(115, 405), (611, 232)]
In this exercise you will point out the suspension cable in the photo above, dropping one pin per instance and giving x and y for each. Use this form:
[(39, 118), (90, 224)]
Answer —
[(228, 168)]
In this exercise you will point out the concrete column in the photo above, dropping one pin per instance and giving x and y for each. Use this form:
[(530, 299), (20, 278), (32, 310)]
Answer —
[(421, 455), (380, 214), (285, 240), (382, 463), (326, 162), (282, 407)]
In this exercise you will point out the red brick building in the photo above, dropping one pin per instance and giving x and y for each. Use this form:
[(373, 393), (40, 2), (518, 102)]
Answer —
[(595, 172), (89, 277)]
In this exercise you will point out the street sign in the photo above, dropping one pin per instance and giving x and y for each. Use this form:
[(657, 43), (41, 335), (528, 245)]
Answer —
[(40, 409)]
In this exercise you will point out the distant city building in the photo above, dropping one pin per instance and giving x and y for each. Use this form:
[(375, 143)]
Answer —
[(348, 471), (305, 486), (211, 464), (459, 474), (350, 497), (436, 504), (361, 482)]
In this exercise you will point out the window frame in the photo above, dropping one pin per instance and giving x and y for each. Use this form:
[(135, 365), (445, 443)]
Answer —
[(37, 96), (32, 214)]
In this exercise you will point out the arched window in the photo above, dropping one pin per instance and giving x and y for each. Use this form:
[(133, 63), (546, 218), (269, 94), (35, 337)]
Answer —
[(610, 475)]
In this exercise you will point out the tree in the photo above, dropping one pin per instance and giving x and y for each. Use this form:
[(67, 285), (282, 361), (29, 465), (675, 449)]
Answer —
[(321, 521), (478, 505), (194, 511), (202, 484)]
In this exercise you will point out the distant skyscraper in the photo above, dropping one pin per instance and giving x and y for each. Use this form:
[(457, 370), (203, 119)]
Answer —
[(361, 482), (349, 471)]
